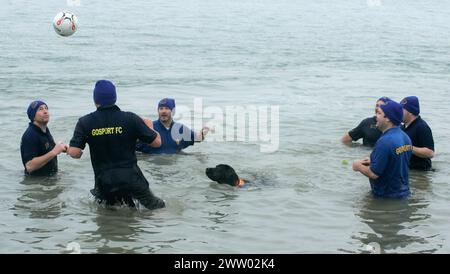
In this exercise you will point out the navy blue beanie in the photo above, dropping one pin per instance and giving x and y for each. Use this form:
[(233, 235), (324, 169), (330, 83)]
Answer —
[(393, 111), (411, 104), (384, 99), (33, 108), (167, 102), (105, 93)]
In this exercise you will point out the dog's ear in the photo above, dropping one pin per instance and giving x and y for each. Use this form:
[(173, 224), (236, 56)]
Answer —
[(230, 176)]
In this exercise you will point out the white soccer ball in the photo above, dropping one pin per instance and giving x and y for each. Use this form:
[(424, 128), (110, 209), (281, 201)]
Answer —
[(65, 23)]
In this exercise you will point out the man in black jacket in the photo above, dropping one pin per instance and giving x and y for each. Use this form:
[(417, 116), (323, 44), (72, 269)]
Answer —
[(37, 147), (420, 134), (112, 135), (367, 129)]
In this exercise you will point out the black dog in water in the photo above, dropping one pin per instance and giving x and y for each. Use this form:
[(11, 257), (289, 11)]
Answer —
[(224, 174)]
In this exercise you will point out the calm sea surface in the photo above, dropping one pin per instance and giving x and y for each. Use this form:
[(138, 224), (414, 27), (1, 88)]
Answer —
[(323, 63)]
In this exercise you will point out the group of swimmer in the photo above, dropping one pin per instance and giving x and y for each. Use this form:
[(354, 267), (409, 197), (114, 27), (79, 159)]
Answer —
[(402, 140), (114, 136)]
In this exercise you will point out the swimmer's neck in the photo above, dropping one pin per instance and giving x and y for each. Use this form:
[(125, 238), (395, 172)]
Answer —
[(167, 123), (409, 121), (42, 126)]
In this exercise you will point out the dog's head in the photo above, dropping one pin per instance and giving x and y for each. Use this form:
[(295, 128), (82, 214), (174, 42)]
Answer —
[(223, 174)]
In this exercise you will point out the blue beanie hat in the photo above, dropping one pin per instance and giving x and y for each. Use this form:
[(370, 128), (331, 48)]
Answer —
[(167, 102), (105, 93), (411, 104), (384, 99), (393, 111), (33, 108)]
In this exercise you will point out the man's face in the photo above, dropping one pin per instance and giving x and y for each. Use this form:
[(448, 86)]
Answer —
[(165, 114), (381, 119), (406, 115), (42, 115), (378, 104)]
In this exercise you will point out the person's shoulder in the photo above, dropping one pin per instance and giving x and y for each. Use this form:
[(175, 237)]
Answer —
[(29, 133), (404, 135), (157, 125), (179, 125), (87, 116), (368, 121), (156, 122), (126, 112), (29, 137), (423, 125), (130, 114), (383, 140), (389, 138), (398, 138), (84, 120)]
